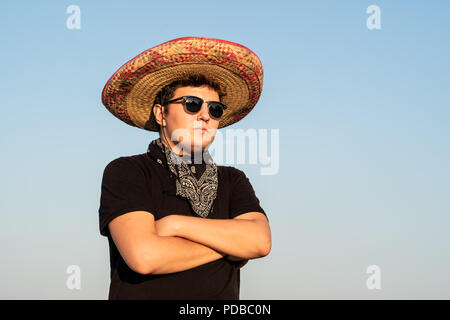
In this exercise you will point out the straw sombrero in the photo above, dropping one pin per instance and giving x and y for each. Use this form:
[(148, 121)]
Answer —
[(130, 92)]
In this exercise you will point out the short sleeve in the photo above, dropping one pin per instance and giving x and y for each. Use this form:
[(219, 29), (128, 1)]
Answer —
[(124, 189), (243, 197)]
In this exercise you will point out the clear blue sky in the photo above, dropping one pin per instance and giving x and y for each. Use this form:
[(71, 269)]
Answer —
[(364, 125)]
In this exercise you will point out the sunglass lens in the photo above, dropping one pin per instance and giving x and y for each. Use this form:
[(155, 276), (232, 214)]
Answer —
[(193, 104), (216, 109)]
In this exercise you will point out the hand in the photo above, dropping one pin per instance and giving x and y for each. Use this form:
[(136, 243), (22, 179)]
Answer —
[(167, 226)]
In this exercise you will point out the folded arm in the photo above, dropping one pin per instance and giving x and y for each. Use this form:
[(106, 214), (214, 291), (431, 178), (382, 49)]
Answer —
[(247, 236), (146, 252)]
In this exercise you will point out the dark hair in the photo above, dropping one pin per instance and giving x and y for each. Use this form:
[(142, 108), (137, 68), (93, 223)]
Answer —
[(194, 80)]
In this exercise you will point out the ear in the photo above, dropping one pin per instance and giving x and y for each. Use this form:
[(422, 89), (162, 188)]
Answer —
[(158, 113)]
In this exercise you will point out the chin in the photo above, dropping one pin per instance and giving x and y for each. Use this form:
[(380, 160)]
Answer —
[(202, 141), (198, 142)]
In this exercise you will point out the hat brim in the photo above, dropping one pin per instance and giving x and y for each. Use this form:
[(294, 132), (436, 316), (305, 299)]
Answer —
[(131, 91)]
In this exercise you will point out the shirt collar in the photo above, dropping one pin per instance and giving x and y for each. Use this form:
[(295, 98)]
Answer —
[(156, 154)]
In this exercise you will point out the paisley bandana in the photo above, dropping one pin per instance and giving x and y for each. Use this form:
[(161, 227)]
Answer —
[(201, 192)]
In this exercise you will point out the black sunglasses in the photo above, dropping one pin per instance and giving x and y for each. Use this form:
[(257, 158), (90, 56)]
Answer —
[(194, 104)]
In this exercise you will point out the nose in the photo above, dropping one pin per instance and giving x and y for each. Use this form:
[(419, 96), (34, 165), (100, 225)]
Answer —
[(204, 112)]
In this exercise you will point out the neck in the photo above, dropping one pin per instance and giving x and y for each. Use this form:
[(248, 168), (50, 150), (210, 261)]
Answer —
[(172, 147), (184, 153)]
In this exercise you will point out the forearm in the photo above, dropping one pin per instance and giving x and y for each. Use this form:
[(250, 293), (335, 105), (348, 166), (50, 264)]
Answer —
[(174, 254), (239, 238)]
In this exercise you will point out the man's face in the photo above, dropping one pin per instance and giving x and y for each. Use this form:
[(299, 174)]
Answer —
[(184, 128)]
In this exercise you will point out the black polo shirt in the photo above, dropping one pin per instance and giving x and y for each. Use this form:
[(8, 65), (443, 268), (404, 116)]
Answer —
[(144, 183)]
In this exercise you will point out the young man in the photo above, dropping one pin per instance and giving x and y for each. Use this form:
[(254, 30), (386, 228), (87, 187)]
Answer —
[(180, 227)]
